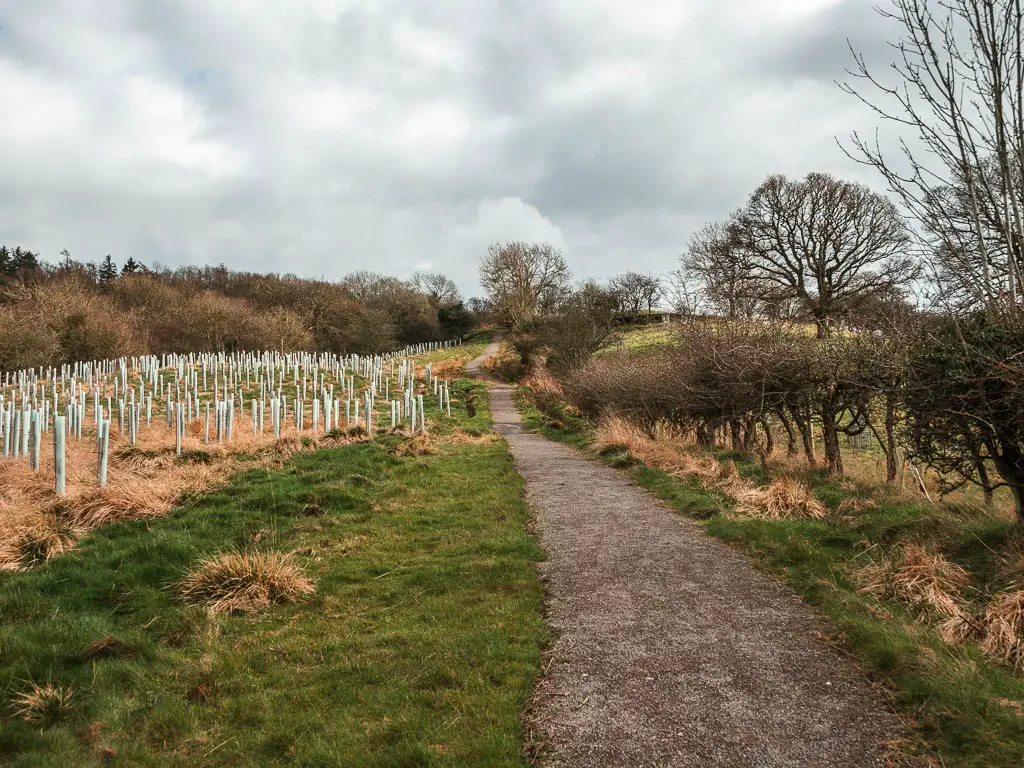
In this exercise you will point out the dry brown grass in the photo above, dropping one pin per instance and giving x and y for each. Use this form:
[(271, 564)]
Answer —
[(668, 449), (547, 391), (460, 437), (145, 480), (48, 537), (124, 499), (617, 432), (922, 579), (245, 581), (1004, 628), (453, 368), (962, 627), (505, 364), (106, 647), (420, 445), (927, 581), (852, 505), (783, 499), (42, 703)]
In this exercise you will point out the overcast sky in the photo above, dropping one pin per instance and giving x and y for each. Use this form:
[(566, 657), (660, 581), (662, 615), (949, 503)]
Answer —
[(324, 136)]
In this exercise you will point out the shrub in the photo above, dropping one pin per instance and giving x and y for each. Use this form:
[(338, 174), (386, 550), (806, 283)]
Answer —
[(964, 401)]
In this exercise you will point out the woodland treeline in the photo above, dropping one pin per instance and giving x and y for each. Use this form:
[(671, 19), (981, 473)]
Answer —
[(56, 313)]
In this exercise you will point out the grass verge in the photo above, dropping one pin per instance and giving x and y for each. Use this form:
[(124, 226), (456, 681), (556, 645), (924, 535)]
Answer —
[(418, 646), (960, 708)]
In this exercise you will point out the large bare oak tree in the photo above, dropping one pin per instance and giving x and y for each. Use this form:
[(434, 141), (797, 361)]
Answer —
[(825, 242)]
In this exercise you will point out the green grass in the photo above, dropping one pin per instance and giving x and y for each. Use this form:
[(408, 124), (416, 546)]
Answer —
[(473, 345), (418, 649), (952, 698), (642, 337)]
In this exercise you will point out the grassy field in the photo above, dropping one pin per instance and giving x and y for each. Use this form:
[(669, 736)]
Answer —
[(960, 707), (640, 338), (418, 647)]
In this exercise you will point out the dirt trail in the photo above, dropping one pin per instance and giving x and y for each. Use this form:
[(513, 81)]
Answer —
[(671, 649)]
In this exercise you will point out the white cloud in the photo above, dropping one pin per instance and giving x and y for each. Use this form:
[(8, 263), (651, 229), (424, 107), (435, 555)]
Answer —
[(510, 218)]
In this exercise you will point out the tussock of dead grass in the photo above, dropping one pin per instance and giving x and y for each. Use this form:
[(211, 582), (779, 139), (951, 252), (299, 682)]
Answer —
[(245, 581), (926, 580), (420, 445), (37, 543), (461, 437), (922, 579), (120, 500), (617, 432), (1004, 628), (106, 647), (505, 364), (963, 627), (855, 506), (783, 499), (542, 382), (142, 461), (42, 703)]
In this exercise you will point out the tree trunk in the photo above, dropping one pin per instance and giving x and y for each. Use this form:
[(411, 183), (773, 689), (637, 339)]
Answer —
[(705, 437), (822, 326), (807, 437), (749, 434), (830, 436), (986, 483), (890, 439), (734, 433), (1010, 463), (791, 446), (769, 437)]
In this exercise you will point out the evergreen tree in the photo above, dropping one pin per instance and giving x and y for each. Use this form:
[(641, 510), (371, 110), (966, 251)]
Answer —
[(107, 271), (19, 263), (131, 266)]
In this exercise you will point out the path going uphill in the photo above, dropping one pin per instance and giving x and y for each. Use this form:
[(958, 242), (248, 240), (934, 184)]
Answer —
[(671, 649)]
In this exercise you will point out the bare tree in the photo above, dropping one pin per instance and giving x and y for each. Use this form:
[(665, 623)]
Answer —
[(824, 242), (524, 280), (637, 291), (959, 87), (970, 272), (440, 290), (652, 291), (583, 325), (720, 266)]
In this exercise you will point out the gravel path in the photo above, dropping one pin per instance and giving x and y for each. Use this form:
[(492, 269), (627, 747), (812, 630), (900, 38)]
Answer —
[(671, 650)]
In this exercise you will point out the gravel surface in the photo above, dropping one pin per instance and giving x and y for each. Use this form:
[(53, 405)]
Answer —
[(671, 649)]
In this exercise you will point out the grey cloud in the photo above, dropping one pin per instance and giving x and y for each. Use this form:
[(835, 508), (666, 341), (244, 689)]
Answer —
[(820, 49), (327, 136)]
